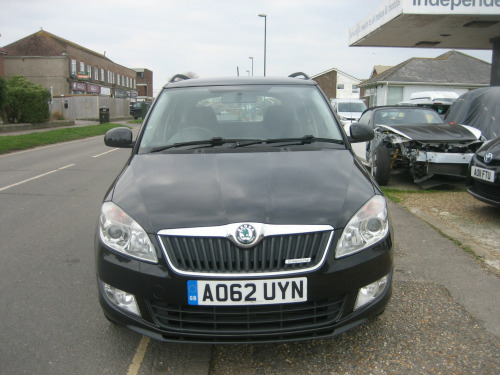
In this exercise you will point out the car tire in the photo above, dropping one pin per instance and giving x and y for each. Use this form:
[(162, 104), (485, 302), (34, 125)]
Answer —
[(381, 165)]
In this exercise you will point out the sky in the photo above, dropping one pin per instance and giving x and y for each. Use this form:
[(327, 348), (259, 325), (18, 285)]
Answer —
[(212, 38)]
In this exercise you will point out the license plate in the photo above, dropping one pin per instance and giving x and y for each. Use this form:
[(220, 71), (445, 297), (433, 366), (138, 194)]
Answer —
[(247, 292), (483, 174)]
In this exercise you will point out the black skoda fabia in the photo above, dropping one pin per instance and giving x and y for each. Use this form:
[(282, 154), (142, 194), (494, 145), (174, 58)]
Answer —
[(242, 216)]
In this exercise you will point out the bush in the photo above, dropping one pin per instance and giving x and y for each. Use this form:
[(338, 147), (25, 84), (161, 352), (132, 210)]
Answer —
[(3, 90), (26, 101)]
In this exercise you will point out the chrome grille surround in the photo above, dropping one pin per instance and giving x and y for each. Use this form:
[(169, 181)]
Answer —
[(214, 252)]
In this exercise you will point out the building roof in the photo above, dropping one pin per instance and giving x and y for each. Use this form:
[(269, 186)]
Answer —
[(335, 70), (452, 67), (34, 45)]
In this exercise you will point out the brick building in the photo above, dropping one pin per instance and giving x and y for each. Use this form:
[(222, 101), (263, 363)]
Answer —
[(144, 85), (67, 68), (337, 84), (2, 53)]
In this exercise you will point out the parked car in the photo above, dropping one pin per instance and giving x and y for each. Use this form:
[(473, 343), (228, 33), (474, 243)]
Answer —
[(479, 108), (348, 110), (259, 227), (483, 181), (440, 101), (416, 139)]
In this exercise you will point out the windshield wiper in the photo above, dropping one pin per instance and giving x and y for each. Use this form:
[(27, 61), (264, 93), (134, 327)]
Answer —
[(216, 141), (307, 139)]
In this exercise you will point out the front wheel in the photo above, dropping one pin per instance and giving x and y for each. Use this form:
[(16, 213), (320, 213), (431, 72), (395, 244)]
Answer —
[(381, 165)]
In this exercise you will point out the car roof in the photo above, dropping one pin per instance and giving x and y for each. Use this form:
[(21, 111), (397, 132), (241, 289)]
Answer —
[(230, 81)]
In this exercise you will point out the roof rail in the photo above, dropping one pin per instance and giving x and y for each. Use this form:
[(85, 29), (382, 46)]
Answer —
[(178, 77), (299, 74)]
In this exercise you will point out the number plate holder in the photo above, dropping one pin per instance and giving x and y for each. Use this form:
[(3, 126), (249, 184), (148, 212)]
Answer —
[(246, 292)]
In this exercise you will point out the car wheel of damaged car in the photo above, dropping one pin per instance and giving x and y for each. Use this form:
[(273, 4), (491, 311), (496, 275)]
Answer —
[(381, 165)]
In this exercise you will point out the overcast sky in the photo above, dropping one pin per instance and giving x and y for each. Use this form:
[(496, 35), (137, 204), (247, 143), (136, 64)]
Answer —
[(212, 37)]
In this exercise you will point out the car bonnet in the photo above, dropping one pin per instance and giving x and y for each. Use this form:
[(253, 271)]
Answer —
[(163, 191), (432, 132)]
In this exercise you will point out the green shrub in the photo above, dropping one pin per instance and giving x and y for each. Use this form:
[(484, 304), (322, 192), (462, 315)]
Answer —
[(26, 101), (3, 90)]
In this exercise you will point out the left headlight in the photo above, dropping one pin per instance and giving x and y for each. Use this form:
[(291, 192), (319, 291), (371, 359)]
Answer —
[(123, 234), (368, 226)]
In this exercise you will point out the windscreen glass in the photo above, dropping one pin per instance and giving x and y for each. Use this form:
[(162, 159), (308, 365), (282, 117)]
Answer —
[(238, 112)]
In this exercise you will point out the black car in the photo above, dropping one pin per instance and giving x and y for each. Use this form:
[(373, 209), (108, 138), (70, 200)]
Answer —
[(416, 139), (242, 216), (483, 180)]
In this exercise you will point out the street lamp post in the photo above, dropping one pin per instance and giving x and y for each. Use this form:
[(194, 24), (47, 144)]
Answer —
[(251, 58), (265, 37)]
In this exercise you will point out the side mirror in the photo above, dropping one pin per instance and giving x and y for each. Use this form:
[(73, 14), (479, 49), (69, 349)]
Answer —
[(360, 133), (119, 137)]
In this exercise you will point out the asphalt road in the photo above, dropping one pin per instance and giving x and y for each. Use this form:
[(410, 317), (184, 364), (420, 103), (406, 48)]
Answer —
[(444, 316)]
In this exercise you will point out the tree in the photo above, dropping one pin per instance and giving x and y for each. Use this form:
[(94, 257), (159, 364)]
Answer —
[(26, 101), (3, 94)]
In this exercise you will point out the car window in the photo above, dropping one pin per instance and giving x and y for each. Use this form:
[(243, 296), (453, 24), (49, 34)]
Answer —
[(407, 116), (351, 107), (238, 112), (365, 118)]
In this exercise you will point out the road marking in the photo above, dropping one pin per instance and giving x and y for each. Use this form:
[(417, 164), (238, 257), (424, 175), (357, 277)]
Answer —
[(139, 356), (34, 178), (104, 153)]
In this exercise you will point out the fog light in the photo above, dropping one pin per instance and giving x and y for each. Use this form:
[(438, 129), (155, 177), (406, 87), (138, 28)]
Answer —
[(121, 299), (370, 292)]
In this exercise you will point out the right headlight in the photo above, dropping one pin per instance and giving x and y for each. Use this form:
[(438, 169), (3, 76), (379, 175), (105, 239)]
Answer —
[(123, 234), (368, 226)]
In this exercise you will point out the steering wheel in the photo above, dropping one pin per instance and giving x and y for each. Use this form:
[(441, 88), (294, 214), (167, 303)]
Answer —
[(194, 133)]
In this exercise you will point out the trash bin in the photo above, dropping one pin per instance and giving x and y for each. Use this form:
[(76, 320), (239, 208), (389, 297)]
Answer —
[(103, 115)]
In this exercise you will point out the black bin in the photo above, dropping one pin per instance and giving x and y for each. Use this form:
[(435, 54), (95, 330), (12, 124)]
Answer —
[(103, 115)]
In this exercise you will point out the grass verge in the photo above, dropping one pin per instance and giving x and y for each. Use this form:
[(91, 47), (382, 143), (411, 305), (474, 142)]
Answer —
[(10, 143)]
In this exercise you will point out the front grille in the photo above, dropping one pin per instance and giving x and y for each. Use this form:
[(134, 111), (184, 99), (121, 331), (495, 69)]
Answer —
[(489, 191), (247, 323), (210, 255)]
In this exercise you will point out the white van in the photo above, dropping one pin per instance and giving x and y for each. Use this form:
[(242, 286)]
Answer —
[(348, 110)]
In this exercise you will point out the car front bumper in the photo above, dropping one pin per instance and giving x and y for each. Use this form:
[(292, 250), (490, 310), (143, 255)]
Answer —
[(165, 314)]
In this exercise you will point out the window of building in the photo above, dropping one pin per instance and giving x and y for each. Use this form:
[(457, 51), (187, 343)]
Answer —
[(89, 70), (355, 88), (82, 66), (102, 74), (340, 86), (394, 95), (96, 73), (73, 67), (118, 79), (140, 74)]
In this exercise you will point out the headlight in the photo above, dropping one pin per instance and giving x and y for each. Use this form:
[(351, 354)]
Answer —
[(122, 233), (368, 226)]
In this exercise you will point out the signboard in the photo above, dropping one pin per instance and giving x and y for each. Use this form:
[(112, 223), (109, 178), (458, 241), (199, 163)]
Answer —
[(78, 86), (105, 91), (395, 9), (83, 76), (94, 89)]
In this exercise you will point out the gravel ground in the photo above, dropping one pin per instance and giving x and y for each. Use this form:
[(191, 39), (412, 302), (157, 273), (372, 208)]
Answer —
[(423, 331)]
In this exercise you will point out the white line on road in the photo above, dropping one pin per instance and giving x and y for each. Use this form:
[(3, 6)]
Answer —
[(34, 178), (104, 153)]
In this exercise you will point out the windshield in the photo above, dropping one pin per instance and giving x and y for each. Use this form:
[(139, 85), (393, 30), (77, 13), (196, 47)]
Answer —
[(351, 107), (408, 116), (250, 112)]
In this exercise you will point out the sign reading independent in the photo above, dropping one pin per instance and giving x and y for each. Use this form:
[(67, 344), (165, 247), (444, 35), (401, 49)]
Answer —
[(391, 9)]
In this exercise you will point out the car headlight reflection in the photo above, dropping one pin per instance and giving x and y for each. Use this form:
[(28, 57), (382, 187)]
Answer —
[(368, 226), (123, 234)]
